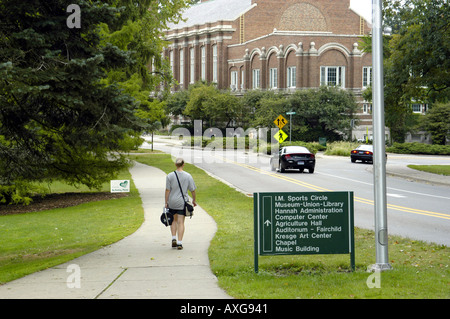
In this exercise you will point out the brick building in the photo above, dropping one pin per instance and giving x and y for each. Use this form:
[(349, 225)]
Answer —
[(281, 45)]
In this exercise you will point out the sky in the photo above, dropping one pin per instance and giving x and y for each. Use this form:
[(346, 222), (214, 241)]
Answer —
[(363, 8)]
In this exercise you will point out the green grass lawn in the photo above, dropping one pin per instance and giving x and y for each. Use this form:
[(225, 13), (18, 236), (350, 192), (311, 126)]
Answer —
[(421, 270), (435, 169), (32, 242), (35, 241)]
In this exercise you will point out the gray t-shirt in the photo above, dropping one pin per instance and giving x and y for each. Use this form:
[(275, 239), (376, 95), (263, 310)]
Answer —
[(187, 183)]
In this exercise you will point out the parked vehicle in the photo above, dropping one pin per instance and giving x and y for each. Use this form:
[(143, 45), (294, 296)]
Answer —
[(293, 157), (362, 153)]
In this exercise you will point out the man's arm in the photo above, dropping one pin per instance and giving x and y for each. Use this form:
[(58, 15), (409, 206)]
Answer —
[(167, 198), (193, 198)]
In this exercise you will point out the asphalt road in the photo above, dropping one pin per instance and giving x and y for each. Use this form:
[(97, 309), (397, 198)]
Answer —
[(416, 210)]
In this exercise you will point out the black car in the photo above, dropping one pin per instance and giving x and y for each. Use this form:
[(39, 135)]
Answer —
[(362, 153), (295, 157)]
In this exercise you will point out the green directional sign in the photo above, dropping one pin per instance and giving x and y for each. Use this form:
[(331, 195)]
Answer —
[(304, 224)]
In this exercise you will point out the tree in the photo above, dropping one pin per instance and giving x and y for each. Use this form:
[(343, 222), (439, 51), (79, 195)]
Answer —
[(61, 116), (223, 109), (140, 34), (324, 112), (266, 106), (176, 102), (437, 122), (416, 64), (421, 49), (200, 96)]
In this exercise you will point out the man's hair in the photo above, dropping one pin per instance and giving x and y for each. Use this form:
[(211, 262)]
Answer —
[(179, 162)]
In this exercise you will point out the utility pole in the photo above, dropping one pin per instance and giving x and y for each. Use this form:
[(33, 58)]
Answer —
[(379, 142)]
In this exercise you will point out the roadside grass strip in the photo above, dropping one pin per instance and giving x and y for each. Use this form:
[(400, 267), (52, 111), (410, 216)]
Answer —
[(420, 270)]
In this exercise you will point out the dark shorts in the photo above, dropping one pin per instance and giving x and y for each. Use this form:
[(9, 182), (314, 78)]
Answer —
[(177, 211)]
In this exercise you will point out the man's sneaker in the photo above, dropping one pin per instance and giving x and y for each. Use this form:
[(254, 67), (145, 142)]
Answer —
[(179, 247), (174, 243)]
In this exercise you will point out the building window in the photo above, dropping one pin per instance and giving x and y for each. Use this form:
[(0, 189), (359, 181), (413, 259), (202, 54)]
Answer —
[(203, 63), (419, 108), (256, 78), (234, 80), (192, 71), (215, 63), (367, 108), (332, 76), (367, 76), (171, 62), (273, 78), (181, 66), (242, 79), (292, 77)]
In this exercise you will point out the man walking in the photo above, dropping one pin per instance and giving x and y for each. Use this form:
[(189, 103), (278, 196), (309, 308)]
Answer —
[(176, 198)]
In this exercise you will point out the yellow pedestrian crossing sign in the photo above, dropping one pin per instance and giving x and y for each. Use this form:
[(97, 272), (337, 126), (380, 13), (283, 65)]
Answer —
[(280, 122), (280, 136)]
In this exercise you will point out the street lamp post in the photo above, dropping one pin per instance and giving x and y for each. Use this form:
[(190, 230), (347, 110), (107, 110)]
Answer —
[(379, 140)]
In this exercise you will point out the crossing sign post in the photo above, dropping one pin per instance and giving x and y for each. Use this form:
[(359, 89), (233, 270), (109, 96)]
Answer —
[(280, 136), (280, 122)]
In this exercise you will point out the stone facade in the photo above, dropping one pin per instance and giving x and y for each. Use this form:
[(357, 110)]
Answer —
[(281, 45)]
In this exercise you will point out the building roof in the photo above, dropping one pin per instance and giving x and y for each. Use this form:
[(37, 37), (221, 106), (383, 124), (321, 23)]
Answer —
[(212, 11)]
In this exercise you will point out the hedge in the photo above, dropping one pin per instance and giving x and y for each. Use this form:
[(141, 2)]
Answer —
[(419, 148), (247, 143)]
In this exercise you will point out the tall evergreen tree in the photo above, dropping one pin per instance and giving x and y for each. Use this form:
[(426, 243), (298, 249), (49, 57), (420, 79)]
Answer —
[(60, 117)]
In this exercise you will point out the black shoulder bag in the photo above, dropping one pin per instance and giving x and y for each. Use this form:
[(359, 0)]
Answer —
[(188, 208)]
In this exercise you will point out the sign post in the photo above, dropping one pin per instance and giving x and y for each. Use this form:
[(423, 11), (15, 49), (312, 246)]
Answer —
[(304, 224), (121, 186), (379, 140), (280, 136), (290, 124), (280, 122)]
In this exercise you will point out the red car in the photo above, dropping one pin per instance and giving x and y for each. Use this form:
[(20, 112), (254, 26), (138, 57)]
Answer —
[(293, 157)]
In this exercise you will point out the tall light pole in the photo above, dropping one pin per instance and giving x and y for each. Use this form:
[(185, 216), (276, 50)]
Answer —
[(290, 124), (379, 140)]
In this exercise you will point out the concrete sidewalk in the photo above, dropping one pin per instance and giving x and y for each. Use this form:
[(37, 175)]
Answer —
[(410, 174), (142, 265)]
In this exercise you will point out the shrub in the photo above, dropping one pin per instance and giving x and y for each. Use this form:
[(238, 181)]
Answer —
[(19, 193), (221, 142), (312, 147), (341, 148), (419, 148)]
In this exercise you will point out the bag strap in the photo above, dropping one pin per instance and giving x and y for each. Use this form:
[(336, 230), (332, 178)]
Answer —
[(181, 190)]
